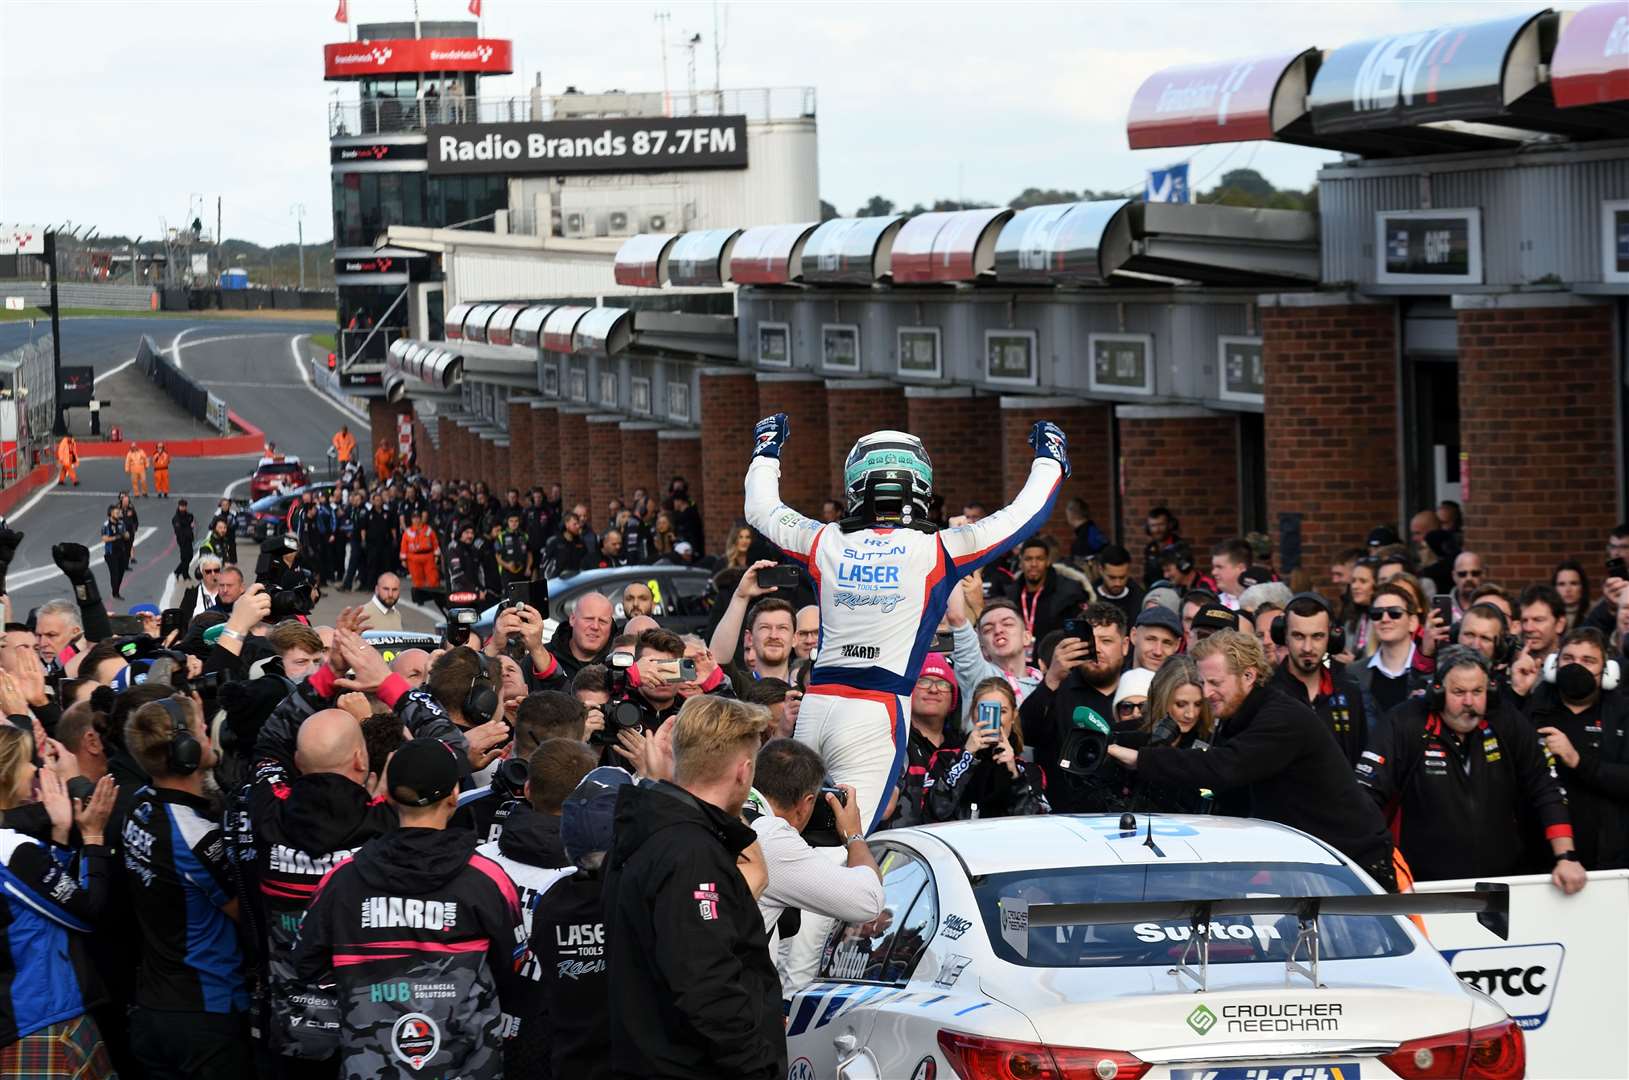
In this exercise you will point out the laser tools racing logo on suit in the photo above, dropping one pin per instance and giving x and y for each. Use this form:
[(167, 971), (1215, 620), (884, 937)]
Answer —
[(868, 575), (415, 1039)]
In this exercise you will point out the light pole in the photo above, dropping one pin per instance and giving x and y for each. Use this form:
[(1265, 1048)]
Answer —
[(298, 210)]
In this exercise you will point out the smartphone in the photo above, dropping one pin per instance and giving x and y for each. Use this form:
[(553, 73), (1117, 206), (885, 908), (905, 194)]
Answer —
[(1082, 631), (1617, 568), (171, 620), (990, 716), (778, 577), (677, 671), (125, 625), (1444, 606), (687, 670), (944, 644)]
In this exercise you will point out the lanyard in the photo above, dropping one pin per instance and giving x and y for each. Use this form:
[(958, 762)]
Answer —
[(1029, 608)]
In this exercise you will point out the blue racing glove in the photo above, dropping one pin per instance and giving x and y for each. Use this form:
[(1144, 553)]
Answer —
[(1049, 440), (770, 435)]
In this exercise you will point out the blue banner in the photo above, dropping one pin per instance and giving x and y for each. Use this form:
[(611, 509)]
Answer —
[(1168, 185)]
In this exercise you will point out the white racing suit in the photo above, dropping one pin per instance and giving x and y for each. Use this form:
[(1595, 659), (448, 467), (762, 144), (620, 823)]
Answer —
[(882, 594)]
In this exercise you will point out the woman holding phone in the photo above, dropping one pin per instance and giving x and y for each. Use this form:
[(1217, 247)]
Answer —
[(985, 777)]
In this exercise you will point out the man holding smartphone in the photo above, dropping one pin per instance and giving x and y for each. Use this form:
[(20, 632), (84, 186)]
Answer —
[(769, 621)]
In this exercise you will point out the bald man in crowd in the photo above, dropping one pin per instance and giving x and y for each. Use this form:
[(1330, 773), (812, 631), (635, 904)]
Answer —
[(304, 826), (412, 665)]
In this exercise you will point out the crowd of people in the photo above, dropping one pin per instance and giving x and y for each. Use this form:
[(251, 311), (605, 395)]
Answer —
[(241, 843)]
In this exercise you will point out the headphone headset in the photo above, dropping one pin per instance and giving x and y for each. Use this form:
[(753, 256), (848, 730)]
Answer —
[(1181, 555), (481, 703), (185, 754), (1337, 633), (1436, 698), (1507, 645), (1609, 677)]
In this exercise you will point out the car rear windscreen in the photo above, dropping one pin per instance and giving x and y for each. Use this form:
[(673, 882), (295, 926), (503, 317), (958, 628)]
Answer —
[(1243, 939)]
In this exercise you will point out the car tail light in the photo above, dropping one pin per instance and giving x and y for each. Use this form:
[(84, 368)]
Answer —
[(974, 1057), (332, 362), (1495, 1052)]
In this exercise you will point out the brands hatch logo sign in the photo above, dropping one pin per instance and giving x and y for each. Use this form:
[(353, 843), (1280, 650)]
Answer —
[(1199, 95), (381, 54)]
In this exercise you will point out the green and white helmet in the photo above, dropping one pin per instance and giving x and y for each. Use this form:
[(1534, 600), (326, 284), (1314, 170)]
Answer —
[(889, 475)]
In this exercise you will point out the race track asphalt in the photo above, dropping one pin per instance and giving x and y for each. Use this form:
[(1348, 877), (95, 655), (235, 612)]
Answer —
[(253, 365)]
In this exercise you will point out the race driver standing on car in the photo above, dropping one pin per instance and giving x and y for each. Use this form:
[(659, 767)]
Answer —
[(884, 577)]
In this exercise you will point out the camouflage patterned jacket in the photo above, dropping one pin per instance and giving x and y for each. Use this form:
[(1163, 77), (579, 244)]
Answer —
[(420, 933)]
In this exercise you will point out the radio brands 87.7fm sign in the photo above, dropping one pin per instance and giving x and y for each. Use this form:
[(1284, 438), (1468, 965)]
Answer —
[(614, 145)]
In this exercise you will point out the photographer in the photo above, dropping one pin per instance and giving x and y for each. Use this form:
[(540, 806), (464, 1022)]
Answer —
[(793, 811), (984, 778), (1078, 692), (1272, 758), (656, 680)]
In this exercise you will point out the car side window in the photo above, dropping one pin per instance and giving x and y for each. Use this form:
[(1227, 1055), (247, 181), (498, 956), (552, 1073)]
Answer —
[(885, 949), (689, 594)]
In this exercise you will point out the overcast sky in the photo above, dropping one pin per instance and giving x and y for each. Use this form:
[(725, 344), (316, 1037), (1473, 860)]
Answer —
[(119, 112)]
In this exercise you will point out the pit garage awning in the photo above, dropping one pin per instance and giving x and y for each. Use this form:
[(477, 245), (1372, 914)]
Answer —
[(1591, 61), (527, 332), (474, 328), (559, 326), (1233, 101), (439, 367), (641, 261), (603, 331), (947, 246), (851, 251), (1478, 86), (500, 327), (702, 258), (1121, 241), (454, 321), (770, 254)]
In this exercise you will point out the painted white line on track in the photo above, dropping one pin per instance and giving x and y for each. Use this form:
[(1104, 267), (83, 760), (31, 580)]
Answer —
[(305, 376), (225, 337), (175, 345), (34, 499), (46, 573), (114, 370)]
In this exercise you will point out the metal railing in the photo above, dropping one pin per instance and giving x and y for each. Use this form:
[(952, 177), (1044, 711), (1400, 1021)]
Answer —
[(375, 116)]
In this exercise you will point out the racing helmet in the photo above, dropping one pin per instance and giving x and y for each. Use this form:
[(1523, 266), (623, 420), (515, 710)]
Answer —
[(888, 477)]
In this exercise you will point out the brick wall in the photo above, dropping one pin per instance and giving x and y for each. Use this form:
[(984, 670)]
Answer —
[(491, 465), (729, 408), (638, 458), (1187, 460), (573, 458), (678, 453), (604, 466), (1331, 422), (1537, 419), (447, 455), (428, 454), (805, 481), (519, 456), (382, 425), (958, 426), (545, 444), (1092, 467), (857, 407)]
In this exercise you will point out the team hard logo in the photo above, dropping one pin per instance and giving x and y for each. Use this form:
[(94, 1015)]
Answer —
[(415, 1039)]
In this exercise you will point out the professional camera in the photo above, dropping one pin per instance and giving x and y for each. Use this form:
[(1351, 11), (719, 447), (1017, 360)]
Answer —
[(821, 830), (460, 621), (626, 709), (294, 597), (509, 778), (1086, 747)]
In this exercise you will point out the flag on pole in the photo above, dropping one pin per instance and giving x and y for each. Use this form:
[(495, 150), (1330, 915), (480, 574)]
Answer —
[(341, 15), (475, 8)]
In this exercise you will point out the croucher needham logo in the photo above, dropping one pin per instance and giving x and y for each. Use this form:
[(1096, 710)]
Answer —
[(415, 1039)]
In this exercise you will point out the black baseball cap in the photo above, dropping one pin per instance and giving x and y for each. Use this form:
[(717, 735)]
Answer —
[(422, 772), (1383, 536), (1215, 617), (1162, 617)]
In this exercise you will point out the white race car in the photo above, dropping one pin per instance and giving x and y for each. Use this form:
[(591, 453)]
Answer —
[(1179, 948)]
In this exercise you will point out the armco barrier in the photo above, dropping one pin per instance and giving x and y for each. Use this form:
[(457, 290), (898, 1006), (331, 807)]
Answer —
[(83, 294), (246, 299), (1563, 975)]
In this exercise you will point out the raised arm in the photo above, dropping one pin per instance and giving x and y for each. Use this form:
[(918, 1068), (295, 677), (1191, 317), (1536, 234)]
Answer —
[(970, 547), (786, 528)]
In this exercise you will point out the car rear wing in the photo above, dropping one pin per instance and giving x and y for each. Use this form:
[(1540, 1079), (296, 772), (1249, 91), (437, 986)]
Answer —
[(1489, 901)]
